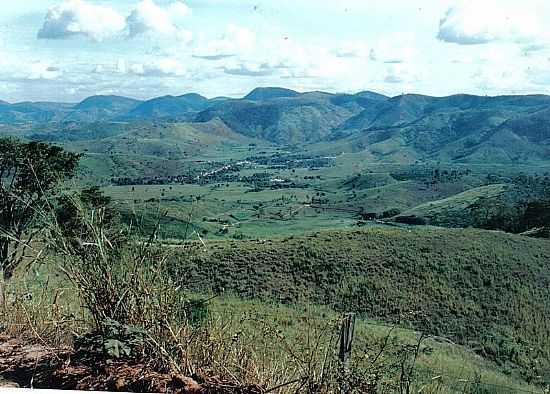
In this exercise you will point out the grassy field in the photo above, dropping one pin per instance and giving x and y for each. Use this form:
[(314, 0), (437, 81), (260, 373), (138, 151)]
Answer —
[(331, 197), (295, 197)]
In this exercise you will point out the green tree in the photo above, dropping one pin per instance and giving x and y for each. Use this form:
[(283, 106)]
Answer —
[(29, 174), (71, 207), (537, 214)]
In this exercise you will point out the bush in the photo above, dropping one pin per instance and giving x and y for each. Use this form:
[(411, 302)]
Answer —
[(412, 220), (123, 282)]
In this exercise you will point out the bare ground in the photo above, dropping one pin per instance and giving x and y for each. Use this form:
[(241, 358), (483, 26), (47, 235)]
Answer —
[(26, 363)]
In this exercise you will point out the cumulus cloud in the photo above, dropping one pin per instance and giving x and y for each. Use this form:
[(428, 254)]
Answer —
[(249, 69), (121, 67), (235, 40), (149, 17), (162, 67), (480, 22), (532, 49), (159, 68), (77, 17), (372, 55), (506, 62)]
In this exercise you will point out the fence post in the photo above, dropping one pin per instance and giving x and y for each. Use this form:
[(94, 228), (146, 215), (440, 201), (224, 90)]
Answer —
[(344, 354)]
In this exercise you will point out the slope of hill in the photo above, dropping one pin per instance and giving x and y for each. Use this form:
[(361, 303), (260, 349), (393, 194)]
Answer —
[(101, 108), (39, 112), (307, 117), (168, 107), (169, 141), (455, 211), (534, 127), (490, 293), (366, 94), (259, 94)]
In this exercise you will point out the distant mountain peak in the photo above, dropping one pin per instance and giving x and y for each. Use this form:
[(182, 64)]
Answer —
[(371, 95), (270, 93), (194, 96), (106, 101)]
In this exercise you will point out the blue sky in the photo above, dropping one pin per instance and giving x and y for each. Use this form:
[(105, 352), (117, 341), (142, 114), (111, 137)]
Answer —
[(65, 50)]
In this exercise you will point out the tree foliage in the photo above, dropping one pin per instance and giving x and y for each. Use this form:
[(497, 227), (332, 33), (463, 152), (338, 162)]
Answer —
[(70, 208), (29, 174)]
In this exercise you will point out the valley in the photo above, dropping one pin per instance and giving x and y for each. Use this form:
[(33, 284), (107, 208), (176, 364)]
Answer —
[(280, 160), (414, 212)]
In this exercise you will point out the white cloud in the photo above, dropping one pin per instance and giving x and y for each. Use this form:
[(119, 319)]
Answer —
[(402, 73), (159, 68), (235, 40), (178, 9), (392, 78), (162, 67), (307, 61), (249, 69), (353, 49), (149, 17), (537, 70), (480, 22), (77, 17), (121, 67), (240, 37)]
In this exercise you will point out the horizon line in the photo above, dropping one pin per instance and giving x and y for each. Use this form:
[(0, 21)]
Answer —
[(243, 96)]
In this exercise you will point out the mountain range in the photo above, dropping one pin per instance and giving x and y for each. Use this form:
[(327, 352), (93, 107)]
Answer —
[(409, 127)]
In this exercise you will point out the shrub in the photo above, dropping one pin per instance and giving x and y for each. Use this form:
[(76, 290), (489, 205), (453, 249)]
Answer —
[(412, 220)]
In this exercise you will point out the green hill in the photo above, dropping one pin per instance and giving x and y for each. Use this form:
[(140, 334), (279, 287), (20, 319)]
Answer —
[(488, 290), (101, 108), (167, 107), (308, 117), (259, 94), (455, 211)]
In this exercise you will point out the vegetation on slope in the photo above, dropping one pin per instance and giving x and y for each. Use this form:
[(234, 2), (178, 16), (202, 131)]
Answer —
[(486, 289)]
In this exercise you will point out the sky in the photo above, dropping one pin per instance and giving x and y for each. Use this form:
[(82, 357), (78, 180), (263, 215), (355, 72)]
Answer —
[(66, 50)]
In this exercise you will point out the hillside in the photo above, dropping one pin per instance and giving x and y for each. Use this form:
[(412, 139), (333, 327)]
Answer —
[(167, 107), (259, 94), (490, 293), (308, 117), (170, 140), (456, 211), (101, 108)]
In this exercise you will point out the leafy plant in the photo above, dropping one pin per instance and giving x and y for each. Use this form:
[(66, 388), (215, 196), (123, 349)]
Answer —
[(113, 341)]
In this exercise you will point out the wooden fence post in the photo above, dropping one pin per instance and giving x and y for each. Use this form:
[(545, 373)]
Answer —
[(344, 354)]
